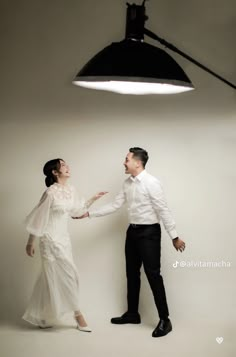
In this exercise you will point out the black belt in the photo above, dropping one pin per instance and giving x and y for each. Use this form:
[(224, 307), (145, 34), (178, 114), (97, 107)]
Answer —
[(133, 225)]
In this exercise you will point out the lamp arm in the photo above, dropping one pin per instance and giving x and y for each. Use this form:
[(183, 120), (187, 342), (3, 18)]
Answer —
[(175, 49)]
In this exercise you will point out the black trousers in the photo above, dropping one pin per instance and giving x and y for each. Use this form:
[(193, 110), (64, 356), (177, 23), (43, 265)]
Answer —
[(143, 246)]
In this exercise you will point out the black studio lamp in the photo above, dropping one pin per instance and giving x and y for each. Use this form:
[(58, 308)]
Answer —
[(133, 66)]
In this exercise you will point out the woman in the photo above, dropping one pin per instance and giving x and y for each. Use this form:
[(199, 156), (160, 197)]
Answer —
[(56, 290)]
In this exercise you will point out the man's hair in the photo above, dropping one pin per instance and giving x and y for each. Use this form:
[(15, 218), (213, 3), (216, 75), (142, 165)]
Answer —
[(140, 154)]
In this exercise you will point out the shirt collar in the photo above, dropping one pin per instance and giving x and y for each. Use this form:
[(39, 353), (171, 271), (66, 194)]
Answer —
[(139, 177)]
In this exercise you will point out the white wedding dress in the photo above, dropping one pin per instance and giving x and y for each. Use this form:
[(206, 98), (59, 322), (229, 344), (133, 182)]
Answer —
[(56, 290)]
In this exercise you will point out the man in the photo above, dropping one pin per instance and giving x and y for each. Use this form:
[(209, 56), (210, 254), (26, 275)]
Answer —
[(146, 209)]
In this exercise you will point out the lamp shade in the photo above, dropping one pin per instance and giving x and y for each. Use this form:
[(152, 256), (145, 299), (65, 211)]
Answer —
[(133, 67)]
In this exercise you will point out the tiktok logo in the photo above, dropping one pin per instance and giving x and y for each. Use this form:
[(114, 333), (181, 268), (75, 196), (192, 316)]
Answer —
[(175, 265)]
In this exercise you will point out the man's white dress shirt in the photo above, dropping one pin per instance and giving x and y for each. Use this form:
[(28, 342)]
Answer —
[(145, 201)]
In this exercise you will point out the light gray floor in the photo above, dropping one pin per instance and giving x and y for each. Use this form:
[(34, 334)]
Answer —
[(187, 339)]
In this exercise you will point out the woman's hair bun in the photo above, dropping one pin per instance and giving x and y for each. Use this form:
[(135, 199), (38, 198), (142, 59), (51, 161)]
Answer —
[(48, 168), (49, 180)]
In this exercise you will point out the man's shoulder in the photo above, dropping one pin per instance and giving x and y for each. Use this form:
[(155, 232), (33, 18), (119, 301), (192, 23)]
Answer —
[(152, 179)]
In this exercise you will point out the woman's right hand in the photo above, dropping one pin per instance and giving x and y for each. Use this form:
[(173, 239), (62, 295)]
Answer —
[(30, 250)]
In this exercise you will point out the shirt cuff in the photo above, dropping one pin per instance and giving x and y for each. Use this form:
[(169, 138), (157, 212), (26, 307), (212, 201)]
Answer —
[(173, 234), (91, 214)]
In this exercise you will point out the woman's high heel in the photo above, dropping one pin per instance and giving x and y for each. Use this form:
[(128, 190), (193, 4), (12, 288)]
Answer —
[(82, 328), (44, 325)]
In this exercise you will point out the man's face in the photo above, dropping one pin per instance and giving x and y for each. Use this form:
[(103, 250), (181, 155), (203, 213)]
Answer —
[(131, 164)]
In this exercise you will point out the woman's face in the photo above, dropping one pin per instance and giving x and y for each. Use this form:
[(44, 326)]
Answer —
[(64, 169)]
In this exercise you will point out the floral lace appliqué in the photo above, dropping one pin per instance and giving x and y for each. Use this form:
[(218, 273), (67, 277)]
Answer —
[(61, 192)]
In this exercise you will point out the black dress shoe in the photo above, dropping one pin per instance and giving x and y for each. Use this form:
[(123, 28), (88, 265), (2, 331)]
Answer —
[(162, 329), (127, 318)]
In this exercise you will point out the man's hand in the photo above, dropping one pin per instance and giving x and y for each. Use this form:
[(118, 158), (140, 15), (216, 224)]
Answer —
[(178, 244), (84, 216), (30, 250)]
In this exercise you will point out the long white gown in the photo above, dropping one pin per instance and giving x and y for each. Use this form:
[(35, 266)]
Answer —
[(56, 289)]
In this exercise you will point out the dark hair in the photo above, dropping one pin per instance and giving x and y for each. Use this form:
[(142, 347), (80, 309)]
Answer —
[(140, 154), (51, 165)]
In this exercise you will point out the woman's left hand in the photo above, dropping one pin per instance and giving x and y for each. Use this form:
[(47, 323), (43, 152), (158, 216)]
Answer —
[(99, 195)]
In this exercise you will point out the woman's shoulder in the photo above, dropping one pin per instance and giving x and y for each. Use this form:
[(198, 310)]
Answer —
[(50, 190), (46, 194), (58, 190)]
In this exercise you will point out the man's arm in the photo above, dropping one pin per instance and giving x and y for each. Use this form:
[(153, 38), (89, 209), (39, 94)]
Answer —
[(160, 205), (110, 207)]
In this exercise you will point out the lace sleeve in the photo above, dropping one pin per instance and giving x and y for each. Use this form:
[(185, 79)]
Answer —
[(36, 221)]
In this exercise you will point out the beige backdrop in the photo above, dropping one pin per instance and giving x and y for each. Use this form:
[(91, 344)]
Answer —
[(191, 140)]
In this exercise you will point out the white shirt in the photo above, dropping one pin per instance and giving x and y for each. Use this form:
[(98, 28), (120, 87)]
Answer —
[(145, 201)]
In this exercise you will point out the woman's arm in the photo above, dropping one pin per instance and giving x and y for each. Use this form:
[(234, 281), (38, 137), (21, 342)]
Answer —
[(30, 246), (36, 222), (95, 198)]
